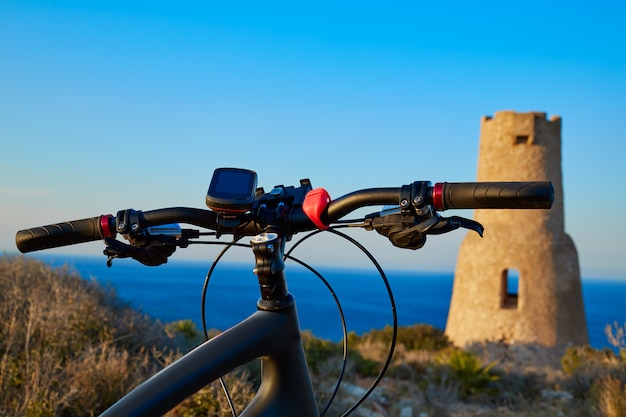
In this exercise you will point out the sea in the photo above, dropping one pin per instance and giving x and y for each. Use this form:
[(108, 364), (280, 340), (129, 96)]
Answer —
[(173, 291)]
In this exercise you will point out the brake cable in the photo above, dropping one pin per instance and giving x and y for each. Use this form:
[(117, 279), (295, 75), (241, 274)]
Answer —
[(392, 302), (343, 328), (205, 286)]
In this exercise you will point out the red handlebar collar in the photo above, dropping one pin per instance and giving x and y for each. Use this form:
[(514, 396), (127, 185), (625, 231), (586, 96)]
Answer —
[(438, 197), (104, 226)]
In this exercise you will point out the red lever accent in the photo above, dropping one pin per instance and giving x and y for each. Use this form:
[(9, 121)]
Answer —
[(104, 226), (315, 202), (438, 196)]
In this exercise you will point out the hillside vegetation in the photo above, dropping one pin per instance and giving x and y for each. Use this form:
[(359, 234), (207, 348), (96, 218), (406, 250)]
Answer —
[(70, 347)]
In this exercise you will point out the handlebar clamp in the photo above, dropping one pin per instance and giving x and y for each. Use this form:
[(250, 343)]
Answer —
[(414, 199), (127, 222)]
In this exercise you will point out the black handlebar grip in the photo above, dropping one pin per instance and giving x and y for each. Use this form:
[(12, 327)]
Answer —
[(493, 195), (63, 234)]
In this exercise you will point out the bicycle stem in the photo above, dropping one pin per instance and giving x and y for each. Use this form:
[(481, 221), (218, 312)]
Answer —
[(269, 249)]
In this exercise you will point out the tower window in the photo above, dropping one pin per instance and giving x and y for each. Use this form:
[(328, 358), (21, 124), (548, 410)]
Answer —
[(509, 288), (522, 140)]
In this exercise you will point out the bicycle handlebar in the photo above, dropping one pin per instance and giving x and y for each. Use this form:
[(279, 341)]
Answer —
[(488, 195), (99, 227), (62, 234), (443, 196)]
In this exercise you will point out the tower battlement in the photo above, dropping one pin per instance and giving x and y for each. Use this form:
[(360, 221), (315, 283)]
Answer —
[(521, 128), (508, 128)]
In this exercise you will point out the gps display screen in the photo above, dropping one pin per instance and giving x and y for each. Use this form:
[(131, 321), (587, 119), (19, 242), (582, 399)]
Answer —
[(232, 189)]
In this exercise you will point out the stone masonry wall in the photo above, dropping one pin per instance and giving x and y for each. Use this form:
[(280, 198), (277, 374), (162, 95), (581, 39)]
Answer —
[(547, 308)]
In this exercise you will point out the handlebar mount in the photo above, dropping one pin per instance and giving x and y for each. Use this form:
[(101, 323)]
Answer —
[(417, 218)]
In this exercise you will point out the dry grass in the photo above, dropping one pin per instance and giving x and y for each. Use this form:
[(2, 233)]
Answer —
[(67, 346)]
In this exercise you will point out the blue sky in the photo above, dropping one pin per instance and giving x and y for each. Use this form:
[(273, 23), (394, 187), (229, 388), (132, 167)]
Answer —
[(106, 105)]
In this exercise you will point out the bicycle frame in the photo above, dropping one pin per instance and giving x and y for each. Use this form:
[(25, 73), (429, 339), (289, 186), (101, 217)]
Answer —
[(272, 334)]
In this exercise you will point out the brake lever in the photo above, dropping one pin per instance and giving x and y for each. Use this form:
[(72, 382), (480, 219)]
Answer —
[(404, 232), (151, 246), (400, 229), (448, 224), (149, 256)]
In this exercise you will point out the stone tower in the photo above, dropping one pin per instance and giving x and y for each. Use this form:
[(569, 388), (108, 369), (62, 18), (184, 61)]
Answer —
[(521, 282)]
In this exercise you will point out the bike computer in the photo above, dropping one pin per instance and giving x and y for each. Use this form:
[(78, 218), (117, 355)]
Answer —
[(232, 190)]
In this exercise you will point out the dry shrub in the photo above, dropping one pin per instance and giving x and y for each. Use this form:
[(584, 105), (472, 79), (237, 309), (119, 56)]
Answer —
[(611, 397), (616, 335), (374, 350), (586, 366), (211, 401), (67, 346)]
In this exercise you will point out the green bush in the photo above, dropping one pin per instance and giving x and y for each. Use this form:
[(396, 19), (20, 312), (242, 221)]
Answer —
[(318, 350), (468, 370), (185, 333), (414, 337), (363, 366)]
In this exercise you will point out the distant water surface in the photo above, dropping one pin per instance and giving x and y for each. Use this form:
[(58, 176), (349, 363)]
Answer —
[(173, 292)]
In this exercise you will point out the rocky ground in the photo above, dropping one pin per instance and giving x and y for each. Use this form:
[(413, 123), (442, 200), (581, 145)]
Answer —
[(532, 383)]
